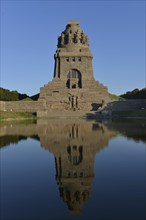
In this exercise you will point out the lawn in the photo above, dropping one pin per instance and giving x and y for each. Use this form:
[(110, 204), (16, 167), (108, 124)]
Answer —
[(16, 115)]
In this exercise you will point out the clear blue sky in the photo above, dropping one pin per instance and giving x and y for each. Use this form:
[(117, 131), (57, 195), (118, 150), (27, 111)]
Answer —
[(29, 31)]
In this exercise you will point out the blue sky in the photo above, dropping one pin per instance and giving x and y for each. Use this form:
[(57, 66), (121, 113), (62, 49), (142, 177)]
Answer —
[(29, 32)]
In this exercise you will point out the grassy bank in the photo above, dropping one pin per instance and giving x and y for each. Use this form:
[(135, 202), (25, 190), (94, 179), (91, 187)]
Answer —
[(8, 116), (139, 113), (27, 116), (115, 97)]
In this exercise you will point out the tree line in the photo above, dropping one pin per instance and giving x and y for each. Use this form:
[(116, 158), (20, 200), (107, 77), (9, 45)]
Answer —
[(7, 95), (135, 94)]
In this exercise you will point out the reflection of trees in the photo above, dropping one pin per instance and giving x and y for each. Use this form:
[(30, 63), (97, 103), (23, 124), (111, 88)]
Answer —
[(131, 129), (14, 139), (137, 137), (135, 130), (10, 139)]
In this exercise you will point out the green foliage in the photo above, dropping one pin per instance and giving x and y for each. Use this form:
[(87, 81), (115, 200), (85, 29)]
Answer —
[(14, 139), (7, 95), (27, 99), (10, 139), (35, 97), (135, 94), (22, 96), (17, 115), (115, 97)]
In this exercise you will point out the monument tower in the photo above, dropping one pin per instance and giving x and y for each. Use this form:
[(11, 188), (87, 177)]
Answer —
[(73, 86)]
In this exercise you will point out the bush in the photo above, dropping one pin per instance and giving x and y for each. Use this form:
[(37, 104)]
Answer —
[(135, 94)]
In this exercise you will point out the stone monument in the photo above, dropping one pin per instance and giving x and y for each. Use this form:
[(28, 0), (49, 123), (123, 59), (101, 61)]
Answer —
[(73, 87)]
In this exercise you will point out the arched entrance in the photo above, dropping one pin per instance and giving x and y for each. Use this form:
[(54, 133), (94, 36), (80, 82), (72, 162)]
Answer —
[(74, 79)]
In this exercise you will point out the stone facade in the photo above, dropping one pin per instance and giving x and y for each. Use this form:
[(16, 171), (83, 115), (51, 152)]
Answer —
[(73, 86)]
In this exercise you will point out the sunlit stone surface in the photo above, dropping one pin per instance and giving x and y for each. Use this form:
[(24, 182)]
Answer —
[(73, 86)]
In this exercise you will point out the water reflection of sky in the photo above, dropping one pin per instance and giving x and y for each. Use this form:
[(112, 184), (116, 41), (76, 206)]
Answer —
[(81, 170)]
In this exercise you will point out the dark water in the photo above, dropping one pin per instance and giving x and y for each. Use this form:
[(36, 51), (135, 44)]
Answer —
[(64, 169)]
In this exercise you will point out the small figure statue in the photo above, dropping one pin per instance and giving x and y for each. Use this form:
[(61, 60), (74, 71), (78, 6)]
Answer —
[(62, 38), (59, 41), (76, 101), (69, 38), (102, 102), (82, 33), (84, 39), (76, 37)]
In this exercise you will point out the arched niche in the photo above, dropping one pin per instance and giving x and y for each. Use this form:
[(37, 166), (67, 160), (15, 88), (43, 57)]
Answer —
[(74, 79)]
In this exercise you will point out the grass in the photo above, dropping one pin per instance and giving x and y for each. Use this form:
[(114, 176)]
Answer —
[(115, 97), (139, 113), (27, 99), (8, 116), (27, 116)]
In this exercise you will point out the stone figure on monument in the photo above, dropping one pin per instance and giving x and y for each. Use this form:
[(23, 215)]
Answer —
[(62, 38), (76, 37), (69, 37), (84, 39), (59, 41), (74, 102)]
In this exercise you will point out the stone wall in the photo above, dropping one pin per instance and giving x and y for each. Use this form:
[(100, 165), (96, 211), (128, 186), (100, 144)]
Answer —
[(21, 106), (125, 105)]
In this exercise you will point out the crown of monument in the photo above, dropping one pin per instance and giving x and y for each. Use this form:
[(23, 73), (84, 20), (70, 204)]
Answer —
[(73, 22), (72, 35)]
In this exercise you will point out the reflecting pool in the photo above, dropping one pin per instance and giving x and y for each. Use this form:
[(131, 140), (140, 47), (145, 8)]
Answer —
[(73, 169)]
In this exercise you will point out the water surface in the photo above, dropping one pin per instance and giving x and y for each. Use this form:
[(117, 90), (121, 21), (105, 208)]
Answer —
[(67, 169)]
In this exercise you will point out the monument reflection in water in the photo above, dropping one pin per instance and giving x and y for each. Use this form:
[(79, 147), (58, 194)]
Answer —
[(74, 145)]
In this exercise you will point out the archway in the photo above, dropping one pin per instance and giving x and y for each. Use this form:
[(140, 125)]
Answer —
[(74, 79)]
